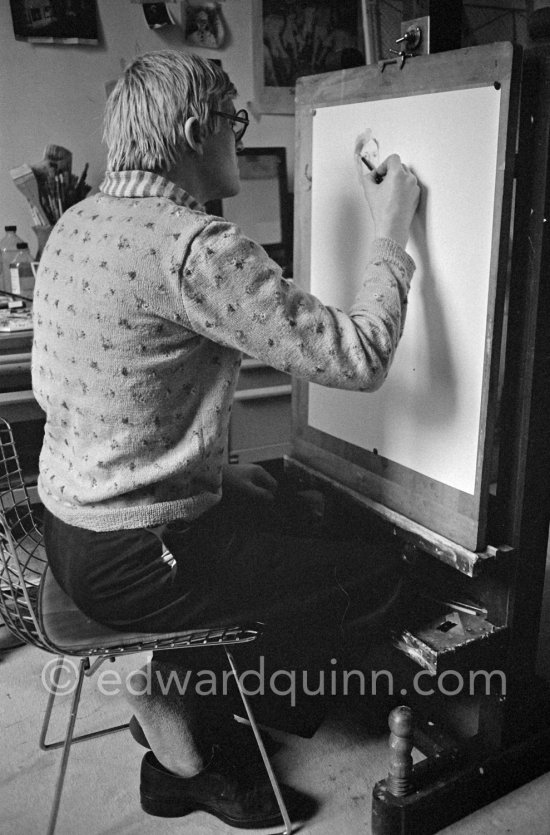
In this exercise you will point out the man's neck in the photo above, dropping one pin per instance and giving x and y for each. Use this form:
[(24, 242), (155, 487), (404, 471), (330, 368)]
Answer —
[(186, 174)]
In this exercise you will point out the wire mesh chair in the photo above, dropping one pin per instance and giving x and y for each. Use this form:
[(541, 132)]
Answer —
[(37, 611)]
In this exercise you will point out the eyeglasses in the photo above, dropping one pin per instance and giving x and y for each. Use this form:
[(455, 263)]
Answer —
[(240, 116)]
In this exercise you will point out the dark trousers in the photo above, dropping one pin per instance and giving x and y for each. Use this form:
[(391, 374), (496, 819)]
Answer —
[(235, 564)]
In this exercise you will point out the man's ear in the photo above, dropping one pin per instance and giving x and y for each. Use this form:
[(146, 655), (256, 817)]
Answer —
[(192, 132)]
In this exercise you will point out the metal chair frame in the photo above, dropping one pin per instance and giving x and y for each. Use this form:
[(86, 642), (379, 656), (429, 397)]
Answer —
[(23, 564)]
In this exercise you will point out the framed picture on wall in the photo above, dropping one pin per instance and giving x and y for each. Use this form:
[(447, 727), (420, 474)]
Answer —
[(293, 38), (55, 21), (204, 26)]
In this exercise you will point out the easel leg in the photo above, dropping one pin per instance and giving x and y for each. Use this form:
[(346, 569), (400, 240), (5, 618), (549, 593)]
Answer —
[(447, 787)]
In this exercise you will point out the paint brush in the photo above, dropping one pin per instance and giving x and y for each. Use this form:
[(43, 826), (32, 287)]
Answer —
[(378, 177), (25, 180)]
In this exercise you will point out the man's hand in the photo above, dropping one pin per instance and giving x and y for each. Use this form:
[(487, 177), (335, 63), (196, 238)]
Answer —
[(392, 193), (248, 480)]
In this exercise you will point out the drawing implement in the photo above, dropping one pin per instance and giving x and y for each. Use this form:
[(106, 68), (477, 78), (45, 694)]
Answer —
[(378, 177), (15, 296), (25, 180), (58, 202), (82, 179)]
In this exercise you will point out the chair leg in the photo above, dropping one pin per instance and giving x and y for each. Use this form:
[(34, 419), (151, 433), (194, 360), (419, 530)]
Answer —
[(51, 698), (84, 669), (260, 743), (49, 746), (68, 740)]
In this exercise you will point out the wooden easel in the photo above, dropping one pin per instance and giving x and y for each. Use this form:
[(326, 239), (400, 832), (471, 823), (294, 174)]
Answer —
[(508, 740)]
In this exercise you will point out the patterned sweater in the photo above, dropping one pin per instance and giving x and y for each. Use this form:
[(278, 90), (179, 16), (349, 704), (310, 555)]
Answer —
[(143, 305)]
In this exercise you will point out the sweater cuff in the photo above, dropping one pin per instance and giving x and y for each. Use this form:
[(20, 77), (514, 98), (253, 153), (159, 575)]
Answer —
[(387, 249)]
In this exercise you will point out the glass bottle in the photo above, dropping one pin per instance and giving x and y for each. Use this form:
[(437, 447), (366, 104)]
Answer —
[(21, 272), (8, 253)]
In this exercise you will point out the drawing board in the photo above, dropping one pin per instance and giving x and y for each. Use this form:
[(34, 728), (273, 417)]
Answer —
[(421, 444)]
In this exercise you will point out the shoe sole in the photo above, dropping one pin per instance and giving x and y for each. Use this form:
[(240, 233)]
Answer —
[(160, 809)]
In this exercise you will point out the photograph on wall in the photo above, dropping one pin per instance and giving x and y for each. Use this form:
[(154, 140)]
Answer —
[(51, 21), (204, 26)]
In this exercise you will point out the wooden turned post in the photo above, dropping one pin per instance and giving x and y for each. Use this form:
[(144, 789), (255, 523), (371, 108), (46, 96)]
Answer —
[(399, 782)]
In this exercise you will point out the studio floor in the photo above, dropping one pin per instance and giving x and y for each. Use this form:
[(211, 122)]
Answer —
[(338, 767)]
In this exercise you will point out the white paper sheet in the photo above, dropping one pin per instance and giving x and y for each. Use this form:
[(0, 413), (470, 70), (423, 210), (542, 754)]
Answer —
[(426, 415)]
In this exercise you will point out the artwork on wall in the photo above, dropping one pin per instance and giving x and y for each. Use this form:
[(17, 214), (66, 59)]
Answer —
[(295, 38), (157, 15), (204, 26), (262, 208), (55, 21)]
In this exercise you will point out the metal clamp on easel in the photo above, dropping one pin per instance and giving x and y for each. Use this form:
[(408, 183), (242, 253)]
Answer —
[(400, 59), (412, 41), (411, 38)]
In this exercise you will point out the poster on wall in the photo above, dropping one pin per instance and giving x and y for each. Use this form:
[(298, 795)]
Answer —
[(55, 21)]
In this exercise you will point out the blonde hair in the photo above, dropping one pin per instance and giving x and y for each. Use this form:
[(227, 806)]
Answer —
[(147, 110)]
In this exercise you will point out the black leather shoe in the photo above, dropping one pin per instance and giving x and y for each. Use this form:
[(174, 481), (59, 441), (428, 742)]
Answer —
[(221, 789)]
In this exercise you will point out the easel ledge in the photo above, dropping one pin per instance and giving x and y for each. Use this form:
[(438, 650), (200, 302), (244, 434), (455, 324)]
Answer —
[(462, 559)]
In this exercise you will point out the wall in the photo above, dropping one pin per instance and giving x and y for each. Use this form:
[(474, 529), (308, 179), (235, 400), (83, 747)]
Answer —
[(55, 93)]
